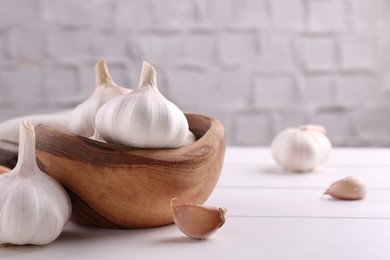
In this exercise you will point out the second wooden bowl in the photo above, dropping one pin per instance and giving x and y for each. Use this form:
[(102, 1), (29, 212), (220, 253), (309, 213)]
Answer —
[(112, 186)]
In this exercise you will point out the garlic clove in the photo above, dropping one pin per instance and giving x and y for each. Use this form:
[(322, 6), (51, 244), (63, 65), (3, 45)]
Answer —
[(191, 138), (4, 169), (82, 120), (301, 149), (197, 221), (143, 118), (349, 188), (34, 207)]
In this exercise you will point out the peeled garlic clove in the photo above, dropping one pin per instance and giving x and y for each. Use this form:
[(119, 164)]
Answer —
[(4, 169), (349, 188), (143, 118), (197, 221), (82, 120), (301, 149), (34, 207)]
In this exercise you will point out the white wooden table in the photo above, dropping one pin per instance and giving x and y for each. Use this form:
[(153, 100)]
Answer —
[(272, 214)]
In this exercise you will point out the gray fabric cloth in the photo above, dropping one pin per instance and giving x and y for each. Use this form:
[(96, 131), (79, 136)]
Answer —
[(9, 133), (8, 158)]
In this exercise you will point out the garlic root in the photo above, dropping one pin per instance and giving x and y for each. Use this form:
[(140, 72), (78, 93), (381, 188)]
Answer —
[(313, 127), (197, 221)]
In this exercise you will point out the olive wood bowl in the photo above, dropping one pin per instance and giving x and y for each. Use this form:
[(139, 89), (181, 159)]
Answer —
[(113, 186)]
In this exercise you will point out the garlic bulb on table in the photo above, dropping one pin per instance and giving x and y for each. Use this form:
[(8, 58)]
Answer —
[(82, 121), (143, 118), (34, 207), (301, 149)]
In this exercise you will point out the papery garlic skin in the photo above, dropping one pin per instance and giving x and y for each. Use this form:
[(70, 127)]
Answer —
[(301, 149), (82, 121), (97, 137), (198, 221), (34, 207), (4, 169), (348, 188), (143, 118), (191, 138)]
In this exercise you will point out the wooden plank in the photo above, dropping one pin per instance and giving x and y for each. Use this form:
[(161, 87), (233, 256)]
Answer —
[(248, 156), (272, 214), (263, 176), (306, 239), (298, 202), (249, 238), (338, 156)]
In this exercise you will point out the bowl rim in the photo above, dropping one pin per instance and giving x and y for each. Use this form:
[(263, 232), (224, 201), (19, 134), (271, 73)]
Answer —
[(213, 133)]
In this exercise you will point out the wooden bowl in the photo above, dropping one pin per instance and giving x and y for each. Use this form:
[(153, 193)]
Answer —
[(113, 186)]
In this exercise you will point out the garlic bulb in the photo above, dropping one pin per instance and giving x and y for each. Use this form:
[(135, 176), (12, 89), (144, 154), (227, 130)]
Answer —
[(82, 120), (349, 188), (143, 118), (34, 207), (301, 149), (197, 221)]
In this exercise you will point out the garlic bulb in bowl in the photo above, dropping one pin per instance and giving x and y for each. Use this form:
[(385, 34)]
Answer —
[(301, 149), (143, 118), (82, 120)]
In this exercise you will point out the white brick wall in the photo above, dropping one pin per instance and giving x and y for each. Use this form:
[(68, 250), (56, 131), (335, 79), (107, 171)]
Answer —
[(257, 65)]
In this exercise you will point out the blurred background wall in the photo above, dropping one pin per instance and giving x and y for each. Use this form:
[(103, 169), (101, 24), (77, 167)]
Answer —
[(256, 65)]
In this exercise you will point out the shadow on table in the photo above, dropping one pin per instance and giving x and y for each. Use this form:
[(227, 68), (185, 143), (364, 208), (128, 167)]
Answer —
[(276, 170), (181, 240), (74, 232)]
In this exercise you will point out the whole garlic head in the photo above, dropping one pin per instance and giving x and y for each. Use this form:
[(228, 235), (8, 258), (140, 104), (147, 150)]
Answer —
[(82, 120), (143, 118), (34, 207), (301, 149)]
